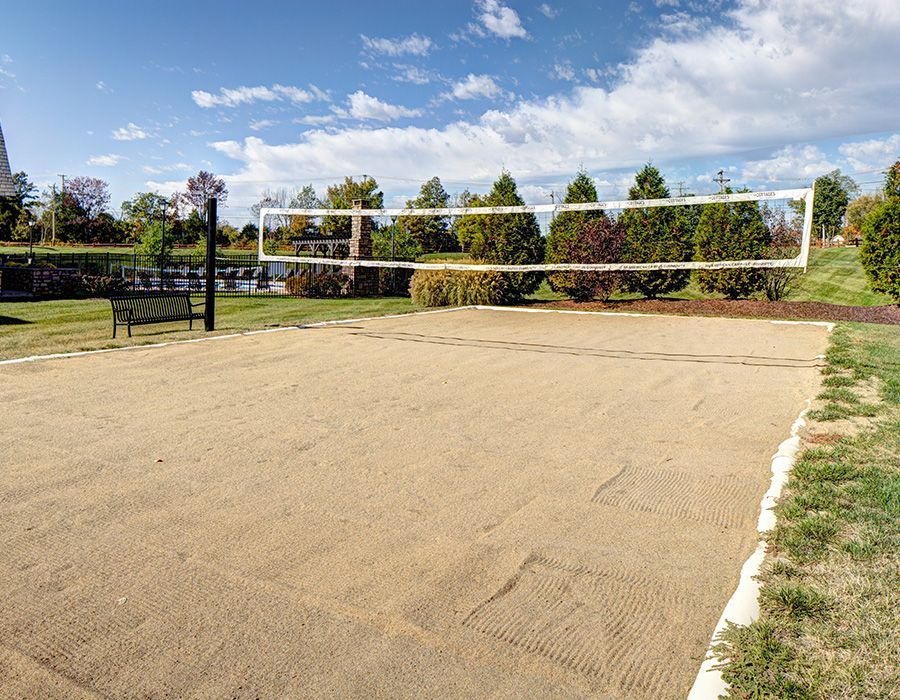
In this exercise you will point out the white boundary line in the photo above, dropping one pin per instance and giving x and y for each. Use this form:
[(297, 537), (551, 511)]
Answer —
[(743, 606), (338, 322)]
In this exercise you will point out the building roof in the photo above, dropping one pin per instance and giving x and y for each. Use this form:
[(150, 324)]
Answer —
[(7, 188)]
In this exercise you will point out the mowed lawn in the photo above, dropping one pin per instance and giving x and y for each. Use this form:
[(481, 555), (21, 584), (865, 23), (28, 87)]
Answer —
[(69, 325), (31, 328), (834, 276)]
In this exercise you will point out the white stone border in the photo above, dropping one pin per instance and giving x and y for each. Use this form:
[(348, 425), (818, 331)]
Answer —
[(743, 606), (337, 322)]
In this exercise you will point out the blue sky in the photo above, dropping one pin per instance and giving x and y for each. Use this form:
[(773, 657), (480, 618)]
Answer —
[(775, 92)]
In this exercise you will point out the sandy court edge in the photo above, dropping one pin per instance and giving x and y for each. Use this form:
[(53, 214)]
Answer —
[(528, 536)]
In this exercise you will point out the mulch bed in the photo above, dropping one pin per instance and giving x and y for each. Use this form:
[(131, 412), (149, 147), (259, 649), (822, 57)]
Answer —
[(740, 308)]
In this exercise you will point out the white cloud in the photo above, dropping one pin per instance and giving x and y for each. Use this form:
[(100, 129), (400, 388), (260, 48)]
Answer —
[(790, 164), (548, 11), (158, 170), (563, 71), (366, 107), (132, 132), (413, 44), (103, 87), (772, 74), (316, 119), (232, 97), (106, 161), (260, 124), (500, 20), (411, 74), (872, 154), (474, 87)]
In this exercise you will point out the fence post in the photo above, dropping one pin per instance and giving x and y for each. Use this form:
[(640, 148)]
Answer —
[(211, 222)]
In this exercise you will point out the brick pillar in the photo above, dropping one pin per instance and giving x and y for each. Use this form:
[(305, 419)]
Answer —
[(363, 280)]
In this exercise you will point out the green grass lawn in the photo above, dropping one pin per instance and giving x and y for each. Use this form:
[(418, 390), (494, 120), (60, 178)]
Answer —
[(834, 276), (829, 625), (43, 327)]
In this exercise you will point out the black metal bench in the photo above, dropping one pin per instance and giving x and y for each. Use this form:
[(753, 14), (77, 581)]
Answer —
[(157, 307)]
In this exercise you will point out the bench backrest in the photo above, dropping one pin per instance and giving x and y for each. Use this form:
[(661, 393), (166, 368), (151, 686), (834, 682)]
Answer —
[(147, 307)]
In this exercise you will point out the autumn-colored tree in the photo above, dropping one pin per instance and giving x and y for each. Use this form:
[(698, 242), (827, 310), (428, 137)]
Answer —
[(341, 196), (599, 240), (859, 210), (200, 188)]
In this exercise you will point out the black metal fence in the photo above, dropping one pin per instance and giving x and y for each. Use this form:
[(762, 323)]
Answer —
[(238, 275)]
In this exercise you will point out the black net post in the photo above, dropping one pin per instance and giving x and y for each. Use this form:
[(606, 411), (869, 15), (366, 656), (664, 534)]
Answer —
[(211, 222)]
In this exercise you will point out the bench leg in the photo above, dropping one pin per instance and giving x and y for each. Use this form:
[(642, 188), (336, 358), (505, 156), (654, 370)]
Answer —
[(129, 329), (114, 329)]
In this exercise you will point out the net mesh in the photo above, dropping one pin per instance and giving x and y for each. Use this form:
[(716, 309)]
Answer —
[(336, 251)]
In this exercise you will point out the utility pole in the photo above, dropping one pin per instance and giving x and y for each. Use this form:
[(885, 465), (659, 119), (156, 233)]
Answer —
[(680, 186), (53, 235), (721, 179)]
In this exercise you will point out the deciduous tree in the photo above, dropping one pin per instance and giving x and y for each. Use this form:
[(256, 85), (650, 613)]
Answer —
[(200, 188)]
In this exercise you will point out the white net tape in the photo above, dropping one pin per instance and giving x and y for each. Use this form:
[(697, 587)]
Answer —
[(805, 194)]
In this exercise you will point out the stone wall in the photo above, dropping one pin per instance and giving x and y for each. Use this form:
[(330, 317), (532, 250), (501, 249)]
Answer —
[(363, 280), (40, 281)]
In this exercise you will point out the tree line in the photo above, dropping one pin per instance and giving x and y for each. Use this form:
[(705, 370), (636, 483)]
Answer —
[(707, 233)]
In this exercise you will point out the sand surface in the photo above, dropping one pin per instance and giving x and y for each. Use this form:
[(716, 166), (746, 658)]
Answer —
[(467, 504)]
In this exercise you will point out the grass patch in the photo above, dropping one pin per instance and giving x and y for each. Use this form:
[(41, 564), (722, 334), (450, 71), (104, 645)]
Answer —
[(43, 327), (829, 626), (834, 276)]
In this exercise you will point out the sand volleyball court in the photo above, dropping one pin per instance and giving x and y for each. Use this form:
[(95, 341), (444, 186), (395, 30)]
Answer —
[(464, 504)]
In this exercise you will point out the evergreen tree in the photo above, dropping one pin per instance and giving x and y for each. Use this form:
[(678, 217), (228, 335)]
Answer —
[(880, 251), (568, 226), (731, 231), (511, 239), (432, 232), (659, 234)]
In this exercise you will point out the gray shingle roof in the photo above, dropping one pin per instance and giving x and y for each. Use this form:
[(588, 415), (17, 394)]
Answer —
[(6, 182)]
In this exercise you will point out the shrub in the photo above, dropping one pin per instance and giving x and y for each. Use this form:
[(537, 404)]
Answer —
[(655, 235), (880, 251), (600, 241), (325, 285), (731, 231), (458, 287), (777, 282), (102, 285)]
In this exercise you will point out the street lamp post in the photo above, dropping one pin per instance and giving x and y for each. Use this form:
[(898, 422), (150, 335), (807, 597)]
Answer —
[(162, 248)]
